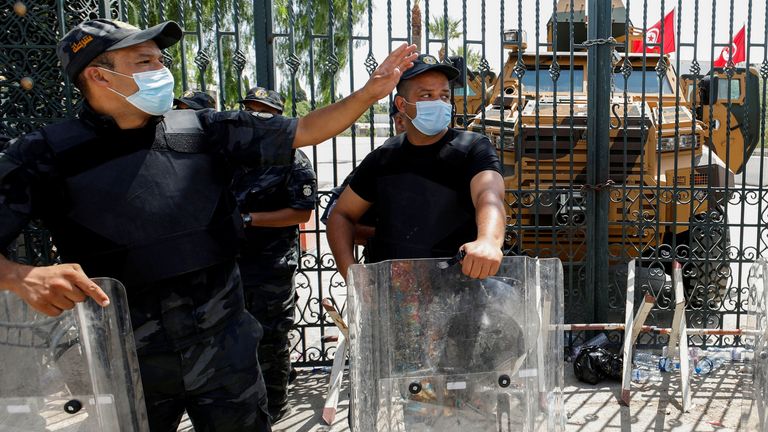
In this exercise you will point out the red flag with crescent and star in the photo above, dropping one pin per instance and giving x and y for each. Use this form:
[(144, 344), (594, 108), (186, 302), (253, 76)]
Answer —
[(736, 52), (653, 37)]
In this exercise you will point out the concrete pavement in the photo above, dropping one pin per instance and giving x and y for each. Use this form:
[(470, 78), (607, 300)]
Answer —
[(718, 401)]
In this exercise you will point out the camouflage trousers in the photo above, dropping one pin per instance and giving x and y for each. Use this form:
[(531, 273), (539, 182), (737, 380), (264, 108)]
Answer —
[(271, 299), (217, 381)]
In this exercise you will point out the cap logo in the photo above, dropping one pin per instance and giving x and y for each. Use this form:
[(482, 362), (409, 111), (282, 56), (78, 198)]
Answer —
[(125, 25), (82, 43), (260, 93), (428, 59), (189, 94)]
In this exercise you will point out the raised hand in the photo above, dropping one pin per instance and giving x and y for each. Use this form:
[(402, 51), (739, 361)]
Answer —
[(385, 78)]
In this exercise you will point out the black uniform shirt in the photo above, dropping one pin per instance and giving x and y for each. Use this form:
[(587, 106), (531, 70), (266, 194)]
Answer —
[(28, 165), (171, 313)]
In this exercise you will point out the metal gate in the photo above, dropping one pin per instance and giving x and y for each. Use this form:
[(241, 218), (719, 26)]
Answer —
[(611, 150)]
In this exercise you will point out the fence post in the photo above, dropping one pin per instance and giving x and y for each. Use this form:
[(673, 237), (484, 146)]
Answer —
[(104, 8), (265, 61), (598, 148)]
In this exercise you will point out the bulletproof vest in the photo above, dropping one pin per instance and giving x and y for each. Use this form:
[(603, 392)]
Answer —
[(141, 213), (417, 217)]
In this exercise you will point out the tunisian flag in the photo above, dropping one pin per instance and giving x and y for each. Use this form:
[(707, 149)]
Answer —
[(736, 52), (653, 36)]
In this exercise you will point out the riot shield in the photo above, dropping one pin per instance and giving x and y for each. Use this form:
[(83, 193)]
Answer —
[(74, 372), (755, 339), (434, 350)]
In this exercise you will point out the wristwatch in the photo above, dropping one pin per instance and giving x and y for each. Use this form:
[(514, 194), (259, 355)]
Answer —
[(247, 219)]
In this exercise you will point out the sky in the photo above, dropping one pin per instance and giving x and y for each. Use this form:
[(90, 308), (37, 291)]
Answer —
[(720, 9)]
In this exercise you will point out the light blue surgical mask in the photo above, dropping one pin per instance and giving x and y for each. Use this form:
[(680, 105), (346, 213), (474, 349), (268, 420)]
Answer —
[(155, 95), (432, 117)]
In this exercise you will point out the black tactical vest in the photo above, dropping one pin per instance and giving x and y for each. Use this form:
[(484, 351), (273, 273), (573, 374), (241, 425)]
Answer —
[(419, 218), (146, 213)]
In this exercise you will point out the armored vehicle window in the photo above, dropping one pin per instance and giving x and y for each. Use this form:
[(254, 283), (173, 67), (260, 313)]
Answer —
[(459, 91), (723, 87), (635, 82), (546, 85)]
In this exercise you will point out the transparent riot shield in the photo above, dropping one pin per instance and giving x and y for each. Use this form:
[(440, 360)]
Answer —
[(74, 372), (434, 350), (755, 339)]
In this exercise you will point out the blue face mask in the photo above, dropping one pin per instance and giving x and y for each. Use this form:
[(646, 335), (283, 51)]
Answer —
[(155, 95), (432, 117)]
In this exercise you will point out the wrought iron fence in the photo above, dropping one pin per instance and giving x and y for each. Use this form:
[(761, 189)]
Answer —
[(611, 150)]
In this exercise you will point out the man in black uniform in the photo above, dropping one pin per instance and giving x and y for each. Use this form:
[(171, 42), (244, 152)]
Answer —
[(437, 190), (194, 100), (274, 201), (365, 227), (134, 191)]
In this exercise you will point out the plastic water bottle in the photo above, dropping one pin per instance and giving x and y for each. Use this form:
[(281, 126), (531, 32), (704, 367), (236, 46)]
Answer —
[(599, 340), (646, 360), (713, 359), (737, 354), (643, 375)]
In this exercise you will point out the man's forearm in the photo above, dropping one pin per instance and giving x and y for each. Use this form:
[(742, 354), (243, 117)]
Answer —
[(280, 218), (341, 237), (490, 218), (327, 122)]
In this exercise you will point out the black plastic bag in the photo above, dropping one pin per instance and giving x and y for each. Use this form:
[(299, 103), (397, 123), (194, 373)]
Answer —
[(594, 364)]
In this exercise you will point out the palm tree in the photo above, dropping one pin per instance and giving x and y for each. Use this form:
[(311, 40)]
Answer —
[(437, 28)]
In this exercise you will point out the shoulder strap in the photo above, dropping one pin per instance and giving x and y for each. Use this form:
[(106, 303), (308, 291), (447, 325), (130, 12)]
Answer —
[(182, 132)]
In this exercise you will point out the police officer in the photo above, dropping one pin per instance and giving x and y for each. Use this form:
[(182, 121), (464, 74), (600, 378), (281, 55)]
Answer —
[(365, 227), (437, 190), (194, 100), (134, 191), (274, 201)]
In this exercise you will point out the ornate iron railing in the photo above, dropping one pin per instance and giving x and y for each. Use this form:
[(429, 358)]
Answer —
[(590, 177)]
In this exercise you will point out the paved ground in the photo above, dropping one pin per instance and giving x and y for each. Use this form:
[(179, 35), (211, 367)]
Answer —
[(718, 402)]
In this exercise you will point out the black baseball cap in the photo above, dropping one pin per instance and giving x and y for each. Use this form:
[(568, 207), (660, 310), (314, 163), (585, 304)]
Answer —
[(426, 62), (196, 100), (89, 39), (267, 97)]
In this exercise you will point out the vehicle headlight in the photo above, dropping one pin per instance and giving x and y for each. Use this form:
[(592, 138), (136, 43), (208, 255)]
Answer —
[(685, 142)]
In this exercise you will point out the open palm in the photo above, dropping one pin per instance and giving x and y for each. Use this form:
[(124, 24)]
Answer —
[(385, 78)]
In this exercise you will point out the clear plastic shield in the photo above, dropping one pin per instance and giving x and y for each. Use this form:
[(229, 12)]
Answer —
[(433, 350), (755, 339), (74, 372)]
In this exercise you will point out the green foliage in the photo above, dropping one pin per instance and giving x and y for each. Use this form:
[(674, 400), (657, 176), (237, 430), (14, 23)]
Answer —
[(312, 17), (199, 16), (302, 108), (437, 26), (472, 58)]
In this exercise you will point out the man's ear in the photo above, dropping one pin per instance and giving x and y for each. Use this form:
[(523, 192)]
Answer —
[(95, 76), (400, 103)]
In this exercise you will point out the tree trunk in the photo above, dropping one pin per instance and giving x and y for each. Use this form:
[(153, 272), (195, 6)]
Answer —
[(416, 26)]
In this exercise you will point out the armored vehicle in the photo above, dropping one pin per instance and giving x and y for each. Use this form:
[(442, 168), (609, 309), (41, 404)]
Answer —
[(672, 156)]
